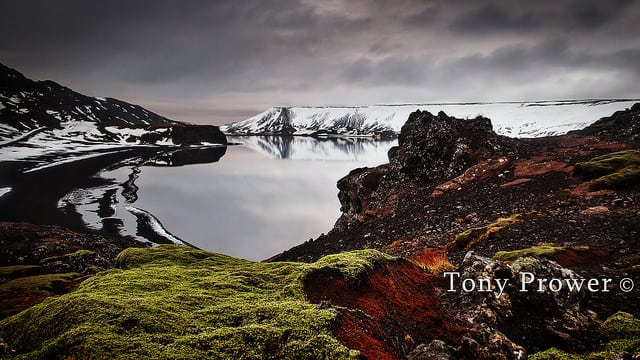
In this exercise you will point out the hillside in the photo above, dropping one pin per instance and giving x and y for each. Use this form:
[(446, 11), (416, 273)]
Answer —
[(46, 122)]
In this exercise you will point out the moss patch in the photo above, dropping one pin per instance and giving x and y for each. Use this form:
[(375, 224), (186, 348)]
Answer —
[(471, 237), (612, 171), (532, 251), (622, 331), (182, 303), (14, 271)]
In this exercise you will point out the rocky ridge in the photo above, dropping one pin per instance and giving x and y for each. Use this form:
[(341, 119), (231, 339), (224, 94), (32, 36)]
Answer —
[(456, 196), (28, 106)]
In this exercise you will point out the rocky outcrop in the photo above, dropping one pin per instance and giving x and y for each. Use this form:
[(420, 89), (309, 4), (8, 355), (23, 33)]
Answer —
[(197, 134), (622, 125), (431, 149), (561, 207)]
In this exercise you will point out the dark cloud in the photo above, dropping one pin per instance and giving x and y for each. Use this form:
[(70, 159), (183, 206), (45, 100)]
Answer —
[(592, 14), (232, 57), (493, 18)]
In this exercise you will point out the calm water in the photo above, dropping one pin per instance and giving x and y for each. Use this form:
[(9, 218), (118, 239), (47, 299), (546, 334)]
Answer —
[(259, 199)]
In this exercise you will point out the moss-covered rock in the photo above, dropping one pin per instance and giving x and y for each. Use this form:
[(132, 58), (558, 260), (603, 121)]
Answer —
[(622, 330), (541, 250), (179, 303), (467, 239), (614, 170)]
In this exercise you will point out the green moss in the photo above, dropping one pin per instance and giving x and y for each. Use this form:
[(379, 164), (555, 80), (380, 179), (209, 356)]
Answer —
[(542, 250), (17, 270), (353, 264), (553, 354), (181, 303), (78, 253), (621, 325), (612, 170), (622, 331), (536, 250), (471, 237)]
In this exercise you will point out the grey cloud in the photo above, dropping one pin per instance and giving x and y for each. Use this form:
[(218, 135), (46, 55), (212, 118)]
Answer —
[(490, 17), (592, 14), (256, 52)]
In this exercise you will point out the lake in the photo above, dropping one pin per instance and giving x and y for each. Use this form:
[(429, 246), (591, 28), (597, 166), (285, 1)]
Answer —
[(262, 197)]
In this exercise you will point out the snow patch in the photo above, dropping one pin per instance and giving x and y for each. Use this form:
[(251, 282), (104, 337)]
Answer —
[(72, 159), (155, 224), (4, 190)]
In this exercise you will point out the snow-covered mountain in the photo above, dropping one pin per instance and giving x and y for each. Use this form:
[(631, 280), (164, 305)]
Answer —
[(45, 123), (515, 119)]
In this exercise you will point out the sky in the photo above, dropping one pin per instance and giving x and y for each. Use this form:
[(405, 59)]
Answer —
[(214, 62)]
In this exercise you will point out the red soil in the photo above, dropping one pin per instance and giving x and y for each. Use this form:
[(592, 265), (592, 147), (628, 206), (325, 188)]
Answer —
[(393, 308)]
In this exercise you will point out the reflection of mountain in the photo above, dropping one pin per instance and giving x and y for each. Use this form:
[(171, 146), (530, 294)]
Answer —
[(82, 195), (311, 148), (515, 119)]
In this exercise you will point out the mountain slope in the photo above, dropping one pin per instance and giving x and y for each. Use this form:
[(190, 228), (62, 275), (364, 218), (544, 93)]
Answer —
[(515, 119), (43, 124), (28, 107)]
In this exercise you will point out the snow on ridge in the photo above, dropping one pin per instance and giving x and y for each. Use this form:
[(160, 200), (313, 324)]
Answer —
[(4, 190), (514, 119), (155, 225)]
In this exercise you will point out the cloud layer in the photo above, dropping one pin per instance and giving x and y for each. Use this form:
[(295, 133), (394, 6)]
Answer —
[(219, 61)]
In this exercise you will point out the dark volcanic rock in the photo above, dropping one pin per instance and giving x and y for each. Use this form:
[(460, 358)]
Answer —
[(431, 149), (434, 148), (456, 183), (41, 261), (622, 125), (197, 134)]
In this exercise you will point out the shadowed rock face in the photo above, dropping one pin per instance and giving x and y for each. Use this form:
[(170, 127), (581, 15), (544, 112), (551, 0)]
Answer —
[(432, 148)]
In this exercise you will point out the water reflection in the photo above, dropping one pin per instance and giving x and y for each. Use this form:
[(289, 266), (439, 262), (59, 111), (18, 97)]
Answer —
[(310, 148), (106, 206), (258, 200)]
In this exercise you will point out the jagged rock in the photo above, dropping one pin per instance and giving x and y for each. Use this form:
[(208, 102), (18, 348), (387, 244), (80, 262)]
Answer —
[(532, 318), (436, 350), (432, 148)]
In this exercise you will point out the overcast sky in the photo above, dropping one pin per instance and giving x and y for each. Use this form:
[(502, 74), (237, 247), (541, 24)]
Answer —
[(220, 61)]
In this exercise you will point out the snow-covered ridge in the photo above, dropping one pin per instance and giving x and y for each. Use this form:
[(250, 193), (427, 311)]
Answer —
[(515, 119)]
